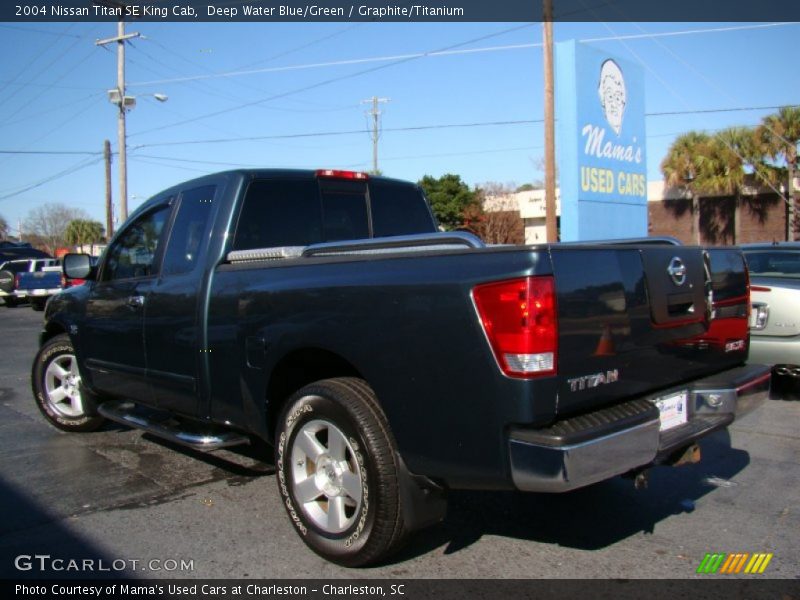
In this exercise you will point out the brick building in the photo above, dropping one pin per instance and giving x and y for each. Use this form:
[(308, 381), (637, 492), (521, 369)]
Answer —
[(763, 215)]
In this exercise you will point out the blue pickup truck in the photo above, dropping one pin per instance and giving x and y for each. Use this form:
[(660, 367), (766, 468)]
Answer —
[(20, 277), (38, 285), (323, 314)]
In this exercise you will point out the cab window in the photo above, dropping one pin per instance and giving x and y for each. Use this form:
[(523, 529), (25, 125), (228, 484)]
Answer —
[(133, 254)]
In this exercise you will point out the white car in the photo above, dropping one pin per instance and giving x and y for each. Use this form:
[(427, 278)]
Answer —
[(775, 320)]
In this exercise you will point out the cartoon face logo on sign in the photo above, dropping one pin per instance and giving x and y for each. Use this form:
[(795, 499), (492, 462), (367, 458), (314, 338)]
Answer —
[(613, 96)]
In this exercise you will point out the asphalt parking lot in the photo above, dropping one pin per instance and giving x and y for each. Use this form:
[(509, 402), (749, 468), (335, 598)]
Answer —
[(119, 495)]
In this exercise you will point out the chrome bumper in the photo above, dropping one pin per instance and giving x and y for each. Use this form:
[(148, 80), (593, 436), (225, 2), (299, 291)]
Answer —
[(589, 448)]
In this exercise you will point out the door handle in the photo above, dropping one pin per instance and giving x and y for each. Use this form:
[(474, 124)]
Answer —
[(135, 301)]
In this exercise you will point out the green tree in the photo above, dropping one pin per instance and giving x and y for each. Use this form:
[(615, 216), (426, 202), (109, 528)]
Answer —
[(83, 231), (730, 155), (682, 169), (449, 198), (780, 135)]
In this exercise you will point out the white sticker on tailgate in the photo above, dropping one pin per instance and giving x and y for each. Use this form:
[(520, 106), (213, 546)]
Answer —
[(672, 409)]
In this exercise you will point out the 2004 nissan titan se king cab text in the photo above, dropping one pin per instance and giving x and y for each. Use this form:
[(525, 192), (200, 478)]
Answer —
[(322, 312)]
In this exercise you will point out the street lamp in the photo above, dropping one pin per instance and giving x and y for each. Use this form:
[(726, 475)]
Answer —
[(125, 103)]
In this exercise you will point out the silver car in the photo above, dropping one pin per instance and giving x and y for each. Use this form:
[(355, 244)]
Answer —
[(775, 319)]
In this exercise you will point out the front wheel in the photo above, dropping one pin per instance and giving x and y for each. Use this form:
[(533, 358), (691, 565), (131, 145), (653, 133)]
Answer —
[(58, 390), (337, 472)]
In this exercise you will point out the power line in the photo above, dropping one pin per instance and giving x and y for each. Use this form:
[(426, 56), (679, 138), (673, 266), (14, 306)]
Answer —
[(326, 82), (707, 80), (50, 152), (27, 66), (34, 30), (715, 110), (73, 169), (429, 127), (391, 129), (356, 61), (52, 109), (40, 71), (336, 133), (683, 101), (50, 86)]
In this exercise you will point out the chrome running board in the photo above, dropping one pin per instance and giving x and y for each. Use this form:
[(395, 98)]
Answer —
[(161, 424)]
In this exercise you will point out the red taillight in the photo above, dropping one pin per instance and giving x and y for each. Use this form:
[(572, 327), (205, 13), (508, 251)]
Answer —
[(337, 174), (16, 281), (64, 283), (519, 318)]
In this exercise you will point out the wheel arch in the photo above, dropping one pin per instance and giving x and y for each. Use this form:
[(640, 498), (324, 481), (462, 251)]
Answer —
[(297, 369), (51, 330)]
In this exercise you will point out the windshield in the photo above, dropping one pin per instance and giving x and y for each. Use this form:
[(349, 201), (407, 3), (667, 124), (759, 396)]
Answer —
[(774, 263)]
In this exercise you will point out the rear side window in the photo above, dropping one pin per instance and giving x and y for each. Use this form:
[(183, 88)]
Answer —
[(398, 210), (16, 267), (344, 210), (189, 230), (279, 213)]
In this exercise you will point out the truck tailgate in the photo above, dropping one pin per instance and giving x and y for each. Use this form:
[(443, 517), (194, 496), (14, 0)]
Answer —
[(636, 319)]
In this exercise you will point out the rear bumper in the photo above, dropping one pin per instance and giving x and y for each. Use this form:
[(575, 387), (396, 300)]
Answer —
[(589, 448), (37, 293), (773, 350)]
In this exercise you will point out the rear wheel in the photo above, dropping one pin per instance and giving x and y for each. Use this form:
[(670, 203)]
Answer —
[(337, 472), (11, 301), (38, 304), (60, 395)]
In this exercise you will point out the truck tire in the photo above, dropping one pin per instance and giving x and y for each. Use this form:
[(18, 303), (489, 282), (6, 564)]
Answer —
[(57, 388), (337, 472), (7, 281), (11, 301), (38, 304)]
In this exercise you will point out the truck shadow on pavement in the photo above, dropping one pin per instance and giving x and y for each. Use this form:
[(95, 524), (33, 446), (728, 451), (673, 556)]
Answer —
[(34, 539), (588, 519)]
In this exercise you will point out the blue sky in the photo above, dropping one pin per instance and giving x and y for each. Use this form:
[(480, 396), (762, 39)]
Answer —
[(230, 81)]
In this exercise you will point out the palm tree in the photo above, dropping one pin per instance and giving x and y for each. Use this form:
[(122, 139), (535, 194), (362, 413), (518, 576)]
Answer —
[(731, 153), (682, 169), (83, 231), (780, 134)]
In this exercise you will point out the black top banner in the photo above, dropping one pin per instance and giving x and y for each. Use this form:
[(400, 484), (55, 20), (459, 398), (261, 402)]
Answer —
[(398, 10)]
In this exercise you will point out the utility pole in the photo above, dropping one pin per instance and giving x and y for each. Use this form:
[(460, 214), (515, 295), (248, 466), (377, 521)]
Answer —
[(375, 127), (123, 102), (549, 126), (109, 206)]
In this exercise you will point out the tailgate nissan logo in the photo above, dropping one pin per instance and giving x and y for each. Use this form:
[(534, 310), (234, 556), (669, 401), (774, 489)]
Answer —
[(677, 271)]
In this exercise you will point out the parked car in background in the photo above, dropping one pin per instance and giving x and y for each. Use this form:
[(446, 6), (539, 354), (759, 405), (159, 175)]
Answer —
[(10, 270), (775, 322), (39, 284), (19, 250)]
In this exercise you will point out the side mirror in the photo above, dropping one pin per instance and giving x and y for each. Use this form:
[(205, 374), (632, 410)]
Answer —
[(78, 266)]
